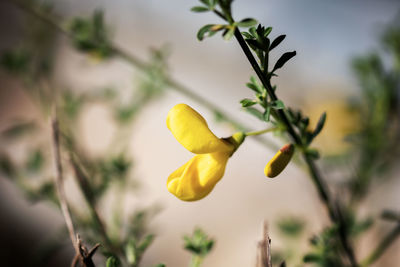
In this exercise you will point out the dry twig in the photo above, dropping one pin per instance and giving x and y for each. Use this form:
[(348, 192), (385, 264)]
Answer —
[(264, 249)]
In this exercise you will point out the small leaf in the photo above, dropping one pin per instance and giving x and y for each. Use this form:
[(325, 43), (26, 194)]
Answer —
[(267, 31), (320, 125), (253, 31), (277, 104), (203, 30), (247, 35), (277, 41), (35, 161), (311, 257), (267, 114), (130, 251), (6, 166), (18, 129), (247, 22), (247, 102), (252, 87), (313, 153), (112, 262), (206, 2), (283, 59), (256, 113), (229, 34), (199, 9)]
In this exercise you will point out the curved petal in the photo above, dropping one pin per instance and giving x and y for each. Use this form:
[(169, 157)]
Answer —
[(198, 176), (191, 130)]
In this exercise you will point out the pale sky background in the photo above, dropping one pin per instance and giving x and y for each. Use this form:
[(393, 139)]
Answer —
[(325, 34)]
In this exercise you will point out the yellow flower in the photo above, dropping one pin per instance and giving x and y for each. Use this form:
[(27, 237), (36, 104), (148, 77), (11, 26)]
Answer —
[(278, 163), (195, 179)]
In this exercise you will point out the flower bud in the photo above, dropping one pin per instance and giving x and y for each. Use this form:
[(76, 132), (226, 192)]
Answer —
[(276, 165)]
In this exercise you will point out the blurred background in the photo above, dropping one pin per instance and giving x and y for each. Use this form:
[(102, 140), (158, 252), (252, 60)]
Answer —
[(97, 91)]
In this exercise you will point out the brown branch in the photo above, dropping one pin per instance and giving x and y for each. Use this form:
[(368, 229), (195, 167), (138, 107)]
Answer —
[(81, 252), (59, 181)]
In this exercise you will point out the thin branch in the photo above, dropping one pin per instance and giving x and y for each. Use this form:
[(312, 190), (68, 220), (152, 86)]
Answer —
[(59, 181), (382, 246), (90, 199), (143, 66), (81, 253)]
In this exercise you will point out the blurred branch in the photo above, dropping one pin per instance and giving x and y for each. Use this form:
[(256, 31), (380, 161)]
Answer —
[(89, 197), (59, 181), (382, 246), (80, 251), (136, 62)]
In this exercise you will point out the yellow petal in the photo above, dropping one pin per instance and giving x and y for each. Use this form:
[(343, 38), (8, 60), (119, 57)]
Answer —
[(198, 176), (191, 130), (278, 163)]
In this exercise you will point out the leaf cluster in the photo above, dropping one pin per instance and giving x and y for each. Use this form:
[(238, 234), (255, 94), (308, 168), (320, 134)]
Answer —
[(199, 243), (90, 35)]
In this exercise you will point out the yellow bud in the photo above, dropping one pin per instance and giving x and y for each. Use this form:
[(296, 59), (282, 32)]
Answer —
[(276, 165)]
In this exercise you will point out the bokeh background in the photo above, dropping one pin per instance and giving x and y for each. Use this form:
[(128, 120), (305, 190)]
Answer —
[(326, 36)]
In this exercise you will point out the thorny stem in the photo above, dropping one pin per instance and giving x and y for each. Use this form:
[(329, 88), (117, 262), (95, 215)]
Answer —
[(383, 245), (134, 61)]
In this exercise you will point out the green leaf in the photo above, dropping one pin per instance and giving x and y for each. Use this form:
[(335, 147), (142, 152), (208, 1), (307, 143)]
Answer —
[(206, 2), (291, 226), (277, 41), (247, 102), (247, 22), (277, 104), (199, 9), (252, 87), (112, 262), (313, 153), (247, 35), (148, 240), (15, 61), (228, 34), (203, 30), (267, 114), (253, 31), (18, 129), (311, 257), (320, 125), (255, 112), (267, 31), (283, 59), (6, 166), (130, 252), (35, 161), (199, 243)]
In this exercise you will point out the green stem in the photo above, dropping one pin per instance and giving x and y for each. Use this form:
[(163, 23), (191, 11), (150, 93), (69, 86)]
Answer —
[(196, 261), (381, 248), (262, 131)]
